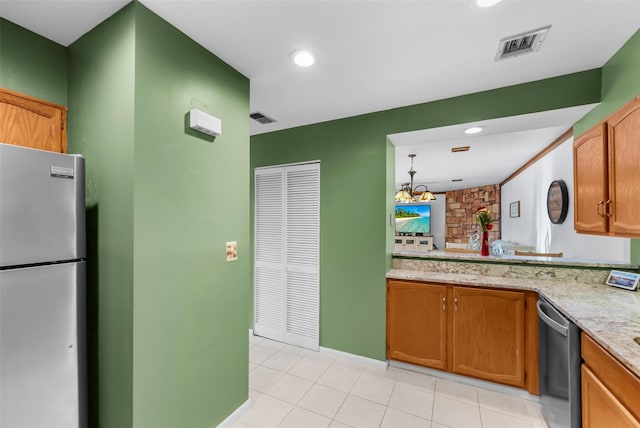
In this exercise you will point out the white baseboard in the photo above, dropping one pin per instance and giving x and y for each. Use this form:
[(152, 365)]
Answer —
[(237, 413), (352, 357), (330, 352), (233, 417), (496, 387)]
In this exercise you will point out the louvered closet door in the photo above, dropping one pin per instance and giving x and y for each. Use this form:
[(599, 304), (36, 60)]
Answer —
[(302, 261), (269, 254), (287, 254)]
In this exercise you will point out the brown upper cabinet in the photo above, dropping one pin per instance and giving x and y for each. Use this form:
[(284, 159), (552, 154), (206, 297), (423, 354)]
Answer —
[(606, 175), (590, 180), (32, 122)]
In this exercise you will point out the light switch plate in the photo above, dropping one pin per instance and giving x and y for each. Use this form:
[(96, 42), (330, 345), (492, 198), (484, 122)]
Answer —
[(232, 251)]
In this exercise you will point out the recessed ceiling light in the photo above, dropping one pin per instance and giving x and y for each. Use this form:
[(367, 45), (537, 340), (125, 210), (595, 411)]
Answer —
[(474, 130), (303, 58), (487, 3)]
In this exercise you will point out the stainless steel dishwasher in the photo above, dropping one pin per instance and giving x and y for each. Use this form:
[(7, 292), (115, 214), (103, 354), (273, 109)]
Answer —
[(559, 341)]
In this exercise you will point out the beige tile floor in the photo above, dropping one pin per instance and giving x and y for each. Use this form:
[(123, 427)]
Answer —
[(290, 387)]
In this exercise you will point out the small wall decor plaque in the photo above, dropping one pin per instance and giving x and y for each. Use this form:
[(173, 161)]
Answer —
[(626, 280), (514, 209)]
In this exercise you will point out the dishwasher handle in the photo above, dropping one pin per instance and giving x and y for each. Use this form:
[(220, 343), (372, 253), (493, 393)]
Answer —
[(563, 330)]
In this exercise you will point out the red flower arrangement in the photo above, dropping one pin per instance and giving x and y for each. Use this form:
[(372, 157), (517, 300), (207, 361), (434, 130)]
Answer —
[(483, 216)]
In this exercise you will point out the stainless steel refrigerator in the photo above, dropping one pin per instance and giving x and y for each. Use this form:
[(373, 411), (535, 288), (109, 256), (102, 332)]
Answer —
[(42, 289)]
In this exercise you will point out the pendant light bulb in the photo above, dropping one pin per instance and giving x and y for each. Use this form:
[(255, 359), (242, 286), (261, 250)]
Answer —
[(408, 193)]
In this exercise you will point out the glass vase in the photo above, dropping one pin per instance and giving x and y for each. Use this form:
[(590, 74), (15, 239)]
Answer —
[(485, 243)]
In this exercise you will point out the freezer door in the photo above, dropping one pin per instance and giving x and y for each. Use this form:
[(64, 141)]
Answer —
[(42, 347), (42, 213)]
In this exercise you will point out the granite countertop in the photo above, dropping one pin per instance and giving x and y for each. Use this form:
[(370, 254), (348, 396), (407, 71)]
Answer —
[(527, 260), (611, 316)]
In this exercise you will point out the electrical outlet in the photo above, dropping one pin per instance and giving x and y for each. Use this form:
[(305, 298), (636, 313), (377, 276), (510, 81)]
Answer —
[(232, 251)]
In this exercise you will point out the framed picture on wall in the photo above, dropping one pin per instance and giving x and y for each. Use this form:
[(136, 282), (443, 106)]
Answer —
[(514, 209)]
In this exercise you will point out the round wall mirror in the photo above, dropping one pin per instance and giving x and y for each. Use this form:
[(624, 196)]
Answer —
[(557, 201)]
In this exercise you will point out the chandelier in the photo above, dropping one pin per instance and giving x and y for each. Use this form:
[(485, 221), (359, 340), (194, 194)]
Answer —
[(408, 193)]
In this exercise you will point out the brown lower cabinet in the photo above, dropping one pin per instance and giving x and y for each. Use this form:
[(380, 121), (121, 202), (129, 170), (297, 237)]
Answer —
[(485, 333), (417, 323), (610, 392), (488, 334)]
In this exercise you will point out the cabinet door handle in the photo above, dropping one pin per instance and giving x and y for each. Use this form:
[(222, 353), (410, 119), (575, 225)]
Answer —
[(443, 304), (455, 304), (608, 208), (598, 205)]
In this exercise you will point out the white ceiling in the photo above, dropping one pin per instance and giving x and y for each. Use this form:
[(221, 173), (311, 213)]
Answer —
[(371, 54), (504, 146)]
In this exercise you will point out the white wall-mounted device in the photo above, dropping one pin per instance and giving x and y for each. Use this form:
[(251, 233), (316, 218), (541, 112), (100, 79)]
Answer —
[(204, 122)]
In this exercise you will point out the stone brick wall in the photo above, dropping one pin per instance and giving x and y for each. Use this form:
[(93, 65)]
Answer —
[(461, 205)]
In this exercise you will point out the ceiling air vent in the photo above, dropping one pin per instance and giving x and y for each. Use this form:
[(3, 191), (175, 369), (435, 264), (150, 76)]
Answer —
[(521, 43), (261, 118), (460, 149)]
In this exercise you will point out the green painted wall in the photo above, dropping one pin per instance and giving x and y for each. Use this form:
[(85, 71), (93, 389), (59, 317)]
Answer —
[(354, 155), (31, 64), (168, 329), (191, 342), (620, 84), (352, 251), (101, 127), (167, 316)]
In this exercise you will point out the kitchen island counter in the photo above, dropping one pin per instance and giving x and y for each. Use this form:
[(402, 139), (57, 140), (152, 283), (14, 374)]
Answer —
[(513, 260), (611, 316)]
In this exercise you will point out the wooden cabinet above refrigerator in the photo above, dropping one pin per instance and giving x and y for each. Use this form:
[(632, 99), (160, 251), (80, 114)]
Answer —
[(32, 122)]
